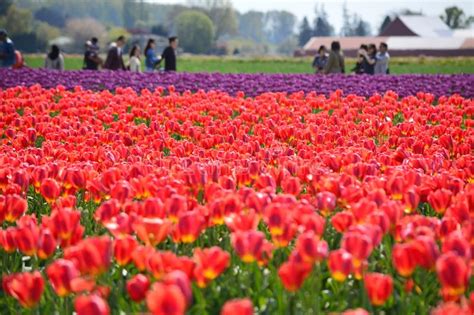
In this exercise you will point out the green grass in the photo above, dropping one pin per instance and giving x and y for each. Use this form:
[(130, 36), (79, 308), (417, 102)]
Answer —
[(290, 65)]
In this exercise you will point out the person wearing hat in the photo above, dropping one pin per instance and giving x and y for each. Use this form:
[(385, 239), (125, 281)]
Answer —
[(7, 50), (169, 55)]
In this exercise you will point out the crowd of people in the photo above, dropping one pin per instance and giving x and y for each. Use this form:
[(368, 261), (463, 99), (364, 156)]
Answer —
[(115, 61), (369, 61), (12, 58)]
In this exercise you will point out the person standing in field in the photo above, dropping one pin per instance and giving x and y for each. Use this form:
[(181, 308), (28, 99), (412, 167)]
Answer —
[(135, 64), (169, 55), (382, 59), (55, 59), (368, 63), (114, 59), (7, 50), (92, 61), (335, 63), (320, 60), (151, 59)]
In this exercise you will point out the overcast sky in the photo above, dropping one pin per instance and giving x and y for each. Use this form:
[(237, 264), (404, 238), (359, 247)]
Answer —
[(372, 11)]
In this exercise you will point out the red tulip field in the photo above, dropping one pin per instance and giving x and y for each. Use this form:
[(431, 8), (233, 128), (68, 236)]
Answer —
[(162, 202)]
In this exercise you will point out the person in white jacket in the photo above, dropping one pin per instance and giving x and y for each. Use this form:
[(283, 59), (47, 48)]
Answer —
[(382, 59), (135, 64), (54, 59)]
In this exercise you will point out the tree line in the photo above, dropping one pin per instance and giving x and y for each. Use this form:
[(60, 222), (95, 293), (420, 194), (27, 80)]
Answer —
[(204, 26)]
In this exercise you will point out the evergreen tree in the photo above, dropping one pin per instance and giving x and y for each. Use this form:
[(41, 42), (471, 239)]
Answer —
[(322, 27), (305, 32), (385, 23)]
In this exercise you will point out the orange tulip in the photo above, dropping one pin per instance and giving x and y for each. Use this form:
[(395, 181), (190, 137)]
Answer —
[(238, 307), (165, 299), (123, 249), (379, 287), (152, 231), (340, 264), (293, 274), (91, 304), (454, 274), (61, 273), (137, 287), (210, 263), (25, 287), (140, 256)]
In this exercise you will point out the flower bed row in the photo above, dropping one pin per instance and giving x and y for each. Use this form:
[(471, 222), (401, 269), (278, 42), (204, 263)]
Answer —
[(208, 203), (250, 84)]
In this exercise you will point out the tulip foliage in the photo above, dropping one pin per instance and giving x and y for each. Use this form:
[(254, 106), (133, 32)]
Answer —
[(208, 203)]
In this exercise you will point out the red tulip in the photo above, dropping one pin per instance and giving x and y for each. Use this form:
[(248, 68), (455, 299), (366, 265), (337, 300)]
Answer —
[(8, 239), (427, 251), (165, 299), (123, 249), (379, 287), (358, 311), (341, 221), (91, 304), (340, 264), (181, 280), (46, 244), (210, 263), (310, 248), (137, 287), (27, 235), (14, 207), (61, 273), (440, 200), (358, 245), (404, 258), (293, 275), (243, 221), (65, 224), (50, 190), (92, 255), (238, 307), (325, 202), (251, 246), (454, 274), (451, 308), (189, 227), (25, 287)]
